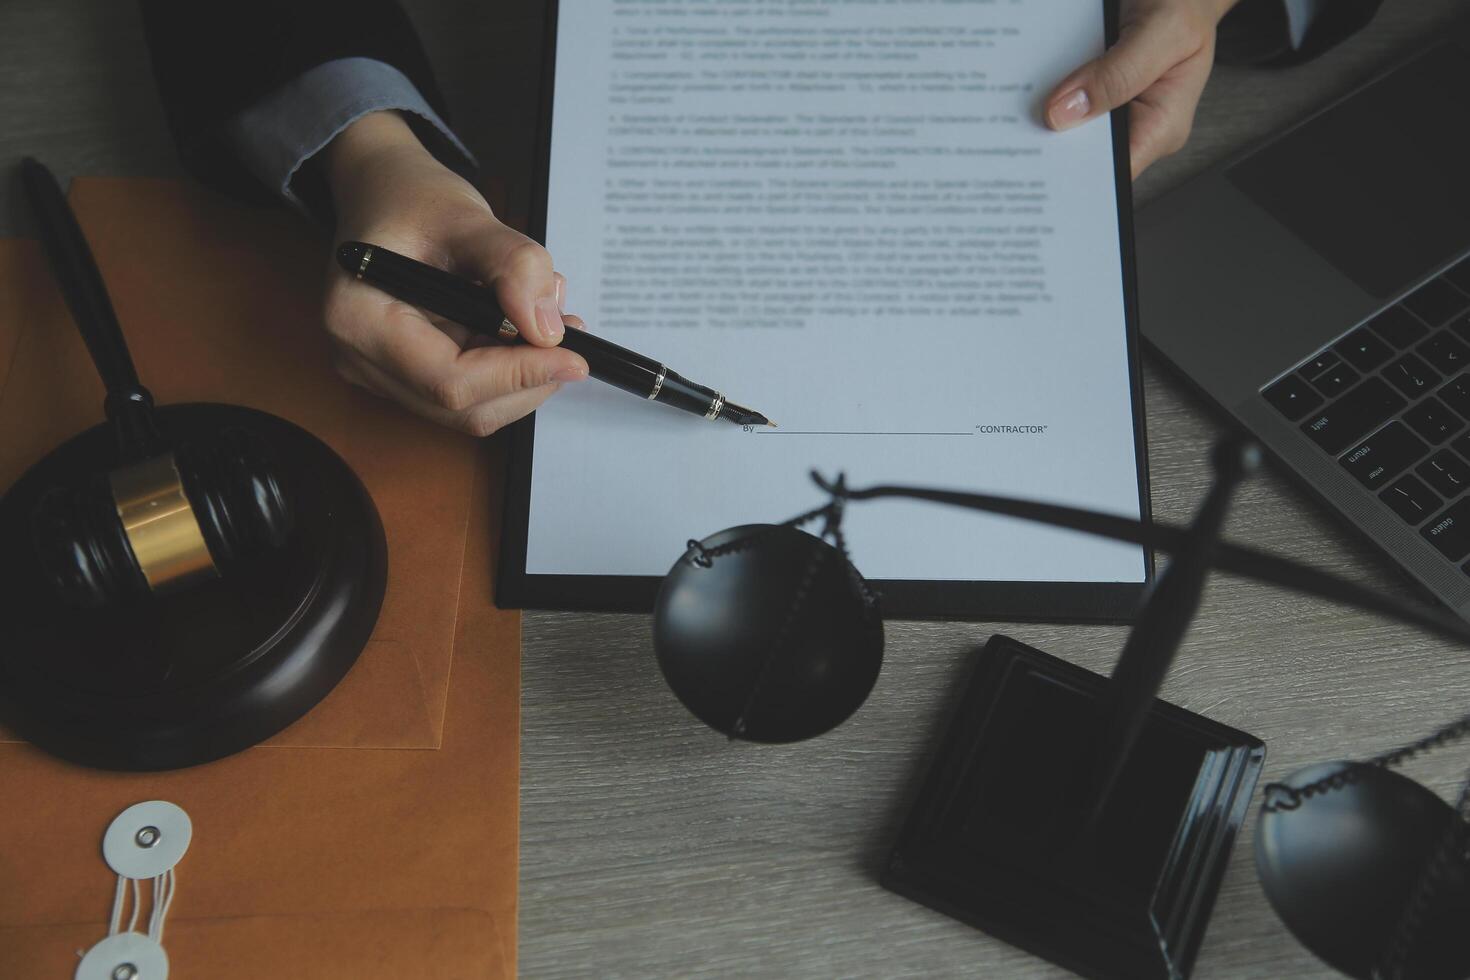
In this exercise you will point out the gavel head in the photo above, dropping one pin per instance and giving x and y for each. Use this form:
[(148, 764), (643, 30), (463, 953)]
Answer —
[(158, 524)]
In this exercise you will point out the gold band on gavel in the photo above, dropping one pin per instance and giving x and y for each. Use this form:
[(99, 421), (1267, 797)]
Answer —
[(160, 524)]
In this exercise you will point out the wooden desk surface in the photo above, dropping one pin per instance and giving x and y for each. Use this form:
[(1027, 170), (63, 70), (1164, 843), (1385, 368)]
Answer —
[(653, 848)]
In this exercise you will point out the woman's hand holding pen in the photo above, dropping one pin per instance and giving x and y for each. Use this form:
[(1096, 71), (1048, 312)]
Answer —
[(1160, 64), (388, 189)]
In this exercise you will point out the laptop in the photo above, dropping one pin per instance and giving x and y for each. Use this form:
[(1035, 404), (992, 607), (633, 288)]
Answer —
[(1317, 289)]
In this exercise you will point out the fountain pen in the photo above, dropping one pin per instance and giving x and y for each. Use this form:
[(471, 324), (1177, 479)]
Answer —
[(475, 307)]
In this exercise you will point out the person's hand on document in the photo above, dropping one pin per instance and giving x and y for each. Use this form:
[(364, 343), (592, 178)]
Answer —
[(389, 190), (1161, 62)]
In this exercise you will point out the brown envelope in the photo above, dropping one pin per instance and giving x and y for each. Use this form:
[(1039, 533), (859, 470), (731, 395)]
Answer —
[(20, 262), (330, 851)]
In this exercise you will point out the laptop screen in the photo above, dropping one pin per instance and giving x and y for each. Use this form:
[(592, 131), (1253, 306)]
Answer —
[(1378, 185)]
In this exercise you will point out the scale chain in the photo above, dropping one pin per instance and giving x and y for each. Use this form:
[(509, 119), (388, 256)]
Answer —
[(1289, 797)]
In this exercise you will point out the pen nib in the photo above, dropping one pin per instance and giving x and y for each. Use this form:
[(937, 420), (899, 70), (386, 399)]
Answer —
[(743, 416)]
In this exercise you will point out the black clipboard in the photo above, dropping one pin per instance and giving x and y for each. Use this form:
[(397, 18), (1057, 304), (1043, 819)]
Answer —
[(1085, 602)]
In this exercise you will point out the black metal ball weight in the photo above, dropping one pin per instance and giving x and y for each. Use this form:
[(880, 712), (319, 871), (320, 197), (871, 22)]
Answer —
[(770, 641), (1343, 867)]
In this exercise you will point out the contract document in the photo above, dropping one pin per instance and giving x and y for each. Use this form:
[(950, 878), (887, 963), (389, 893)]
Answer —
[(847, 215)]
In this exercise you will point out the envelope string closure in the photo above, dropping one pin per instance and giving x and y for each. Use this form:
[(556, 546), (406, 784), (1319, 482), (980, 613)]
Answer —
[(145, 841), (163, 894)]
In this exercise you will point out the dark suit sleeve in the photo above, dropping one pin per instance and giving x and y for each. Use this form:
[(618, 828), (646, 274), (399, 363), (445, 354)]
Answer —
[(1255, 32), (212, 61)]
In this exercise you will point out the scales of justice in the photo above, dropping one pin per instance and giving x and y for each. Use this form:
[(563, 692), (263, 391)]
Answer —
[(1071, 814)]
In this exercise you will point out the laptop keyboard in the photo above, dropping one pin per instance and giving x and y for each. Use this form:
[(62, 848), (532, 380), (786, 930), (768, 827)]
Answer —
[(1390, 402)]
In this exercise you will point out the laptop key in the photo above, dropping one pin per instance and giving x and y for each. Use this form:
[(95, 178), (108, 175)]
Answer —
[(1447, 473), (1398, 326), (1335, 380), (1461, 445), (1445, 352), (1411, 375), (1449, 531), (1292, 397), (1320, 363), (1363, 350), (1410, 499), (1456, 394), (1461, 326), (1352, 416), (1432, 420), (1459, 275), (1384, 455), (1436, 301)]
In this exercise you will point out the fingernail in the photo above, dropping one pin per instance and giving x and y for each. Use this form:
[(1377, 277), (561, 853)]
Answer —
[(1070, 109), (549, 318), (561, 294), (569, 374)]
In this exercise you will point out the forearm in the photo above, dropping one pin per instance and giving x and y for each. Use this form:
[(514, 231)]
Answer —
[(360, 163), (281, 138), (1288, 32), (213, 62)]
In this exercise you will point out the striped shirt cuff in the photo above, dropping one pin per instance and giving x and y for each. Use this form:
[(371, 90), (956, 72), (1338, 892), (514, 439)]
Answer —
[(276, 135)]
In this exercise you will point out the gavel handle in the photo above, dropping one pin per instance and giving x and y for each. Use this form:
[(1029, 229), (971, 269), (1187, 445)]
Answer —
[(128, 405)]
